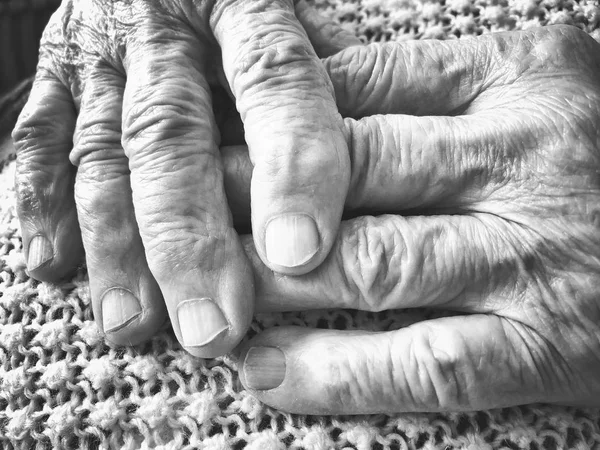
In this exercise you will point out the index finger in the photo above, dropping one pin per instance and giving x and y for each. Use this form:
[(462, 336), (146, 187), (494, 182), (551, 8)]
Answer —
[(293, 130)]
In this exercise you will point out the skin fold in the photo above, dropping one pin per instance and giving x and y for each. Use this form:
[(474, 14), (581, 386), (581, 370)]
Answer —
[(473, 186)]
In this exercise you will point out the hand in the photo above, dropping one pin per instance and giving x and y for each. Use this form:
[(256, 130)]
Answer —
[(123, 93), (495, 141)]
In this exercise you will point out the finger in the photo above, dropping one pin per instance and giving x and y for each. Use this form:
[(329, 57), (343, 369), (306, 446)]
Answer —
[(127, 302), (301, 166), (44, 180), (417, 77), (327, 36), (448, 364), (449, 164), (402, 163), (169, 136), (392, 262)]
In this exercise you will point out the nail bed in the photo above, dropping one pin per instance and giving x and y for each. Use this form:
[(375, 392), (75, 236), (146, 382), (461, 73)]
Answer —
[(264, 368), (201, 321)]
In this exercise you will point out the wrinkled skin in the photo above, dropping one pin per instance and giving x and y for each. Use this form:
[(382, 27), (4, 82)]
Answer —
[(488, 148), (485, 155), (123, 92)]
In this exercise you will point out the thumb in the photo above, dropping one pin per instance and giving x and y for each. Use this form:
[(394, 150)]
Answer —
[(294, 132), (439, 365)]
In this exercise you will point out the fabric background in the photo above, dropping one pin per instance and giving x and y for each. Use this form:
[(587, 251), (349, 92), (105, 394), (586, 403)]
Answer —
[(62, 386)]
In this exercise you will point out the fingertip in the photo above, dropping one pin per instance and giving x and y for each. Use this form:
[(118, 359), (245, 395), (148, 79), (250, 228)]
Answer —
[(292, 241), (129, 315), (41, 252), (272, 368), (202, 326), (54, 262), (262, 362), (136, 329), (206, 331), (264, 368), (297, 208), (295, 243)]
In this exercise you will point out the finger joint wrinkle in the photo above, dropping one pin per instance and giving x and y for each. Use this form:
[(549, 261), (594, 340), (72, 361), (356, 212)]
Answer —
[(368, 253)]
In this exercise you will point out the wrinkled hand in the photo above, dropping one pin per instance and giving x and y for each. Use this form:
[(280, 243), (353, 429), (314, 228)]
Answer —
[(123, 92), (490, 147)]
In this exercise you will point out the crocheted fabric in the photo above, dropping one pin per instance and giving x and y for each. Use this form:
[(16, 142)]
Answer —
[(63, 386)]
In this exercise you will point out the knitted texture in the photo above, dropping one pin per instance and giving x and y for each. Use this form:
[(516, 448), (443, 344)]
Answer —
[(63, 386)]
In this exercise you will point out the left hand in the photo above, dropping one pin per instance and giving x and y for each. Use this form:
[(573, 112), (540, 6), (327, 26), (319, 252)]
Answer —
[(491, 146), (123, 91)]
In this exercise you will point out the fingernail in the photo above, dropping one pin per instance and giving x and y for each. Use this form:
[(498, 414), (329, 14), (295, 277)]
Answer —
[(264, 367), (291, 240), (200, 321), (40, 252), (119, 308)]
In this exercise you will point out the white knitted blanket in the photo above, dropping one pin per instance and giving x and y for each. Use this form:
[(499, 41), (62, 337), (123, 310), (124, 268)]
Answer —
[(62, 386)]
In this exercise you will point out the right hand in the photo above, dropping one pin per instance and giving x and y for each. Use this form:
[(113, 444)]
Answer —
[(122, 92), (484, 155)]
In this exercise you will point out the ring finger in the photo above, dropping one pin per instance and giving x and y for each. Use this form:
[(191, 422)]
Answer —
[(127, 302)]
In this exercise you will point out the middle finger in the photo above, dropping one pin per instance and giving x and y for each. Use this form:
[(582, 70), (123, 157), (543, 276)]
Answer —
[(170, 138)]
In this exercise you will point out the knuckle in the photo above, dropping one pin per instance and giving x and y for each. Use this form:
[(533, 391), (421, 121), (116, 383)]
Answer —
[(97, 142), (354, 383), (356, 71), (271, 51), (173, 247), (35, 132), (46, 122), (568, 35), (342, 388), (277, 59), (439, 358), (28, 198), (546, 50), (150, 124), (366, 148), (43, 187), (304, 166), (97, 148), (559, 44), (349, 67), (102, 195), (374, 66), (370, 257), (156, 121)]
